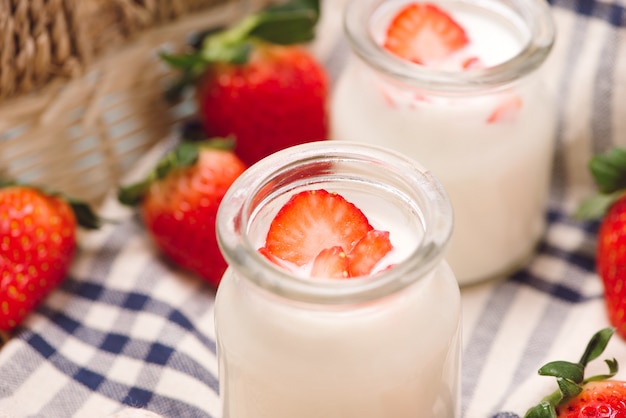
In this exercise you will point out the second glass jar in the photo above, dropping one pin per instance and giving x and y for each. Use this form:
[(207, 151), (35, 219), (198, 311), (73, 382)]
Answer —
[(487, 133)]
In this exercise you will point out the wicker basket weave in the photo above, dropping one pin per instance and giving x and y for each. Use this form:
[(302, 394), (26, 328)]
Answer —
[(81, 99)]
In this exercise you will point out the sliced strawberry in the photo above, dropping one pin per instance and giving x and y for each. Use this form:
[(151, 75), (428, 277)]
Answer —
[(311, 221), (368, 252), (265, 253), (424, 33), (332, 263), (507, 111), (472, 63)]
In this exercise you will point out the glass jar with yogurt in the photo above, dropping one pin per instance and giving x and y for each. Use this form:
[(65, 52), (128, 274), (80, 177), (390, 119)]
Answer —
[(482, 121), (377, 346)]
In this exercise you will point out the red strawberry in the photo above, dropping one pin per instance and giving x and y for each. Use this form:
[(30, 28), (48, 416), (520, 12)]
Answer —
[(331, 262), (609, 172), (577, 396), (179, 203), (278, 99), (37, 245), (368, 252), (424, 33), (507, 111), (472, 63), (611, 263), (256, 83), (312, 221), (323, 228), (606, 398)]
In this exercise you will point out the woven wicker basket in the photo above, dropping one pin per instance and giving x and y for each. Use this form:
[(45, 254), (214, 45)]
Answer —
[(81, 85)]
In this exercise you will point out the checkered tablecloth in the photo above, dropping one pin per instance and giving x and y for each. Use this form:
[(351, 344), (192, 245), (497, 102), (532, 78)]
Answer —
[(127, 328)]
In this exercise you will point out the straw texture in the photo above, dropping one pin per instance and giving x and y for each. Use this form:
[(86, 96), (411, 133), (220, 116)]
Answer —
[(81, 85), (46, 39)]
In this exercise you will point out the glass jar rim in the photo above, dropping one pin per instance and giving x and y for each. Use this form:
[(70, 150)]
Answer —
[(535, 14), (236, 212)]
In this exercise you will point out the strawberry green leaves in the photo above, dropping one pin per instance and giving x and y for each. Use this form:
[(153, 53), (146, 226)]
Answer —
[(609, 173), (609, 170), (570, 376), (290, 23)]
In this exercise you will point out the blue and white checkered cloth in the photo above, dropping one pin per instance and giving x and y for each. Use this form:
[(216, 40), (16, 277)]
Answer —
[(127, 328)]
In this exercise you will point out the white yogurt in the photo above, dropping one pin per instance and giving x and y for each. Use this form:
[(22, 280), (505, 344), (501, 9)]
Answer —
[(373, 353), (495, 166), (362, 363)]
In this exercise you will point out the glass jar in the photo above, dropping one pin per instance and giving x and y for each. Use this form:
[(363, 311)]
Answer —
[(380, 346), (487, 133)]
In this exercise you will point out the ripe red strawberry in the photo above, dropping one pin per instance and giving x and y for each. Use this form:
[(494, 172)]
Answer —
[(424, 33), (323, 228), (368, 251), (179, 202), (256, 83), (609, 172), (577, 396), (37, 245), (331, 263), (611, 263), (507, 110), (606, 398), (278, 99)]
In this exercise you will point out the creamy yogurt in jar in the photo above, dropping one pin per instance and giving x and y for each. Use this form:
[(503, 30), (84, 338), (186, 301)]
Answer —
[(378, 346), (482, 120)]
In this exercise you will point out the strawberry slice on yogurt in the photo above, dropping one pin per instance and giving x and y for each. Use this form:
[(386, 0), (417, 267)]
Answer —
[(323, 233), (424, 34)]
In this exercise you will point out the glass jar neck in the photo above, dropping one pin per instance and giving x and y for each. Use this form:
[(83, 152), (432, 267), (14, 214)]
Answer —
[(255, 197), (533, 18)]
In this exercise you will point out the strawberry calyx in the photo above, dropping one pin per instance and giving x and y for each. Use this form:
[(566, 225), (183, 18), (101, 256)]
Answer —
[(185, 154), (609, 173), (85, 216), (285, 24), (571, 376)]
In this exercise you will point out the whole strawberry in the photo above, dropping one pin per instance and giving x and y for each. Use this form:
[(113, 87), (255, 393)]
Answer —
[(179, 200), (593, 397), (609, 172), (37, 245), (255, 81)]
